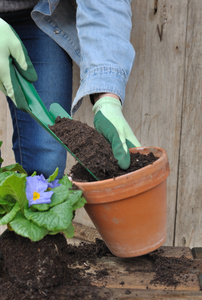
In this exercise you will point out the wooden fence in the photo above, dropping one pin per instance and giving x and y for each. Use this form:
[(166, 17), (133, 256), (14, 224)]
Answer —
[(163, 106)]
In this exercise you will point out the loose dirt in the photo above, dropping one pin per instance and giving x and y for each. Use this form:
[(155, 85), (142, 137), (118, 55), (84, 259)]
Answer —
[(53, 269), (48, 269)]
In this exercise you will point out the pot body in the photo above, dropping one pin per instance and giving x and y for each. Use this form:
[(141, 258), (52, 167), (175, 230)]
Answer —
[(129, 211)]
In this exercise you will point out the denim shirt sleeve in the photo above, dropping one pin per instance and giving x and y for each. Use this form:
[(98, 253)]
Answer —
[(96, 35), (58, 20)]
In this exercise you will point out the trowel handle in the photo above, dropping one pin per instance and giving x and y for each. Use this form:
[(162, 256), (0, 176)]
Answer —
[(34, 105)]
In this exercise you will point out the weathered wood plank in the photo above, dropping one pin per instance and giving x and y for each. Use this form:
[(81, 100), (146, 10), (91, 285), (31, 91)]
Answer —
[(6, 131), (142, 281), (153, 294), (137, 274), (189, 203), (197, 252), (154, 92), (85, 233), (169, 251), (158, 83)]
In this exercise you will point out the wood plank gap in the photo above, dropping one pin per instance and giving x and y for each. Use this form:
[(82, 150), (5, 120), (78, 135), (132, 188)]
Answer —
[(180, 137), (200, 282), (197, 252)]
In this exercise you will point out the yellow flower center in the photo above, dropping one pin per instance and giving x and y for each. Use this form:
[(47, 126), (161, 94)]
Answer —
[(36, 196)]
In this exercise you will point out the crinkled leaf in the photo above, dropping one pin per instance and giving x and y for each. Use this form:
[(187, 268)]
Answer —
[(76, 199), (14, 186), (8, 201), (53, 176), (27, 228), (54, 232), (74, 196), (69, 232), (40, 207), (65, 181), (4, 175), (14, 168), (60, 194), (9, 216), (2, 210), (57, 218), (80, 203)]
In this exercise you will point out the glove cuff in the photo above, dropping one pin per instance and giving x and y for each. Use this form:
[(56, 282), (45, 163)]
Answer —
[(107, 101)]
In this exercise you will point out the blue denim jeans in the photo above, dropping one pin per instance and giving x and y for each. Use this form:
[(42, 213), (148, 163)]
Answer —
[(34, 148)]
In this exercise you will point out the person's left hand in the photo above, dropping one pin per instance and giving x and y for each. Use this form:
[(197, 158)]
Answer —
[(13, 54), (110, 122)]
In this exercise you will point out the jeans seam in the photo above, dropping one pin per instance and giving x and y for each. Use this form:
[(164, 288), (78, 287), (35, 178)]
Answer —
[(18, 132)]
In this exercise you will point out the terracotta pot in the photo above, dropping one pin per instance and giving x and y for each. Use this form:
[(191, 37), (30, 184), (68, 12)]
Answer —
[(129, 211)]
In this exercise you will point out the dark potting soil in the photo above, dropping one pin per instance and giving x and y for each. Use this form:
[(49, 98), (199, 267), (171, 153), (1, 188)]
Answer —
[(94, 151), (52, 269), (47, 269)]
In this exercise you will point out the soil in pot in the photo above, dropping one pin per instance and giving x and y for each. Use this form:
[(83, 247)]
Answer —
[(94, 151)]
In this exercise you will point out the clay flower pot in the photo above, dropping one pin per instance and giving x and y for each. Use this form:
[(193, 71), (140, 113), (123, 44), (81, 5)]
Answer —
[(129, 211)]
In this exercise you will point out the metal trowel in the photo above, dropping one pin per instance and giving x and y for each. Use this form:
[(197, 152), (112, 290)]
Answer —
[(37, 110)]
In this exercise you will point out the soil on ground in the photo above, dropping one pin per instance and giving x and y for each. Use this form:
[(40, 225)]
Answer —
[(50, 269), (94, 151)]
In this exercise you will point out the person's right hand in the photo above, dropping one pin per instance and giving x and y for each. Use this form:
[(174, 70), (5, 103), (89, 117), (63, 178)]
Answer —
[(13, 53)]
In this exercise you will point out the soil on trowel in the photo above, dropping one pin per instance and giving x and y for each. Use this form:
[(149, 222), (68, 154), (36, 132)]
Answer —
[(94, 151)]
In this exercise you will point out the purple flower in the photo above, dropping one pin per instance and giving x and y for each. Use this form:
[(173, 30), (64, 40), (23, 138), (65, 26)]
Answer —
[(36, 190), (51, 184)]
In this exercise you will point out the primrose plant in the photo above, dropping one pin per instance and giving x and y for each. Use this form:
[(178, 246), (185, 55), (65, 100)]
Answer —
[(33, 206)]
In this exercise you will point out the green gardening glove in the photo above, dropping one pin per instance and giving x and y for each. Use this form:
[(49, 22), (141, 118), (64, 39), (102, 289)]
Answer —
[(110, 122), (13, 53)]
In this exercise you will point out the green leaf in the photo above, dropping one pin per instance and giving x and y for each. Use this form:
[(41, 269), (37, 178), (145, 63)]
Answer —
[(60, 194), (69, 232), (33, 174), (14, 167), (53, 176), (57, 218), (65, 181), (1, 159), (9, 216), (27, 228), (4, 175), (14, 186), (2, 210), (54, 232), (8, 201), (76, 199), (80, 203), (40, 207), (74, 196)]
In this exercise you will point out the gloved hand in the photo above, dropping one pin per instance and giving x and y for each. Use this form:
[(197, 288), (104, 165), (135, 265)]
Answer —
[(13, 53), (110, 122)]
